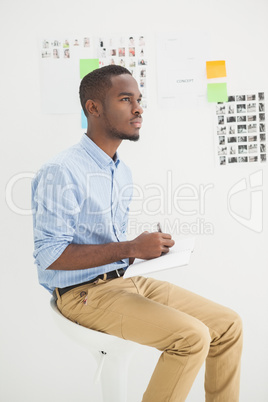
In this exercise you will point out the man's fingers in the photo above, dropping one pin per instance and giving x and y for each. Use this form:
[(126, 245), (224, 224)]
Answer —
[(168, 242), (165, 249), (166, 236)]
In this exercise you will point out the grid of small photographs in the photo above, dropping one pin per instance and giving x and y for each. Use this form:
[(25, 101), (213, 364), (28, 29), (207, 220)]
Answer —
[(60, 48), (128, 51), (241, 129)]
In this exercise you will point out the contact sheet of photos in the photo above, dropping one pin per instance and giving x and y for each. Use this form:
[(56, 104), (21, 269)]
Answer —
[(126, 50), (241, 129), (58, 48)]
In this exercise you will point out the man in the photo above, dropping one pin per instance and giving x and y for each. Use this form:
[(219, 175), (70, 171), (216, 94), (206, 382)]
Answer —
[(81, 200)]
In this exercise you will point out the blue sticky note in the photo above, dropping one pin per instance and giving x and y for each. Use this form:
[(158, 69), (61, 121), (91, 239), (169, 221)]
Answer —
[(83, 120)]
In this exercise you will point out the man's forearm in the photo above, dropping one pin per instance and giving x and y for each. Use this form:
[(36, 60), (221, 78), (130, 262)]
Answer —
[(82, 256)]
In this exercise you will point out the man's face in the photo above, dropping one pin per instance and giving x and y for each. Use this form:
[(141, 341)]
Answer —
[(122, 110)]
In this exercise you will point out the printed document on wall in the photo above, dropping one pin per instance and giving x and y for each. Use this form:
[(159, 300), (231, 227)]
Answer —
[(181, 61)]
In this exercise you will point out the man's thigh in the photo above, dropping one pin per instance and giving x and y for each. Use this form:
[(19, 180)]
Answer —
[(216, 317), (131, 310)]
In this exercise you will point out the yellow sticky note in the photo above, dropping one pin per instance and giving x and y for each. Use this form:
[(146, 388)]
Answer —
[(216, 69), (217, 92)]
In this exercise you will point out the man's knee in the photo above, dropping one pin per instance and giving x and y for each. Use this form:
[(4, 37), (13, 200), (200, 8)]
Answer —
[(236, 327), (238, 322), (203, 339), (197, 339), (231, 333)]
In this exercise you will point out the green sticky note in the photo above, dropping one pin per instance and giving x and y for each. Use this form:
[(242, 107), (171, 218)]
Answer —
[(217, 92), (88, 65)]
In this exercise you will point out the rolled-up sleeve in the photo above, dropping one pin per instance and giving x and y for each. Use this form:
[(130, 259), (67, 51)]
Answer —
[(56, 205)]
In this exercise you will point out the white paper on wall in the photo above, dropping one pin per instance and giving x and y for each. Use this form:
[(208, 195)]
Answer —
[(181, 64)]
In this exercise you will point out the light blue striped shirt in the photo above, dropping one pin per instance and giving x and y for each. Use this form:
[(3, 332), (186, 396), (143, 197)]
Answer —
[(81, 196)]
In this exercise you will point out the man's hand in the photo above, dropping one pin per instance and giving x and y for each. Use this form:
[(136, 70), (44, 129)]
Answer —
[(151, 245)]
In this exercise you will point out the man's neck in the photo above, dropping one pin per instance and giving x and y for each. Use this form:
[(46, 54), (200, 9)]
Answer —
[(107, 145)]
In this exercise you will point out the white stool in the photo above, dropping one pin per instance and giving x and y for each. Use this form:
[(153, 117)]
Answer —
[(113, 355)]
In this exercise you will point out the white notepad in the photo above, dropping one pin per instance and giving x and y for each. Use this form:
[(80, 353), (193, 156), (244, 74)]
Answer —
[(178, 256)]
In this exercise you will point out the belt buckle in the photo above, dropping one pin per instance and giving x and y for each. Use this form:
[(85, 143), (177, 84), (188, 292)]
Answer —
[(117, 273), (104, 277)]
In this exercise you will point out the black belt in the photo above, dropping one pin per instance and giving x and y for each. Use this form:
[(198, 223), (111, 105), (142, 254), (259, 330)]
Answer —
[(109, 275)]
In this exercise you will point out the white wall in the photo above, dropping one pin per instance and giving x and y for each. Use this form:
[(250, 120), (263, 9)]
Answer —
[(37, 362)]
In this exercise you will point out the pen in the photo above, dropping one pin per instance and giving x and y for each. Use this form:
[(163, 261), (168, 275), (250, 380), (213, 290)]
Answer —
[(159, 227), (160, 231)]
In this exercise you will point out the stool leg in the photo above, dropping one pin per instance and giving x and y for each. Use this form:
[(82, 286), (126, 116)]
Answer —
[(100, 366), (114, 377)]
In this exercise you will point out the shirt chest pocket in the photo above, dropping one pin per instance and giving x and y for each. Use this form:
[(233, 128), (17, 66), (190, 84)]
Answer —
[(121, 218), (123, 227)]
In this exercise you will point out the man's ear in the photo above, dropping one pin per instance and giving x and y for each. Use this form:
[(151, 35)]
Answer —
[(93, 107)]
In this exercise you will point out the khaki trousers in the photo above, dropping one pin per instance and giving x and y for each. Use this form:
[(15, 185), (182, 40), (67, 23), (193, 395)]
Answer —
[(187, 328)]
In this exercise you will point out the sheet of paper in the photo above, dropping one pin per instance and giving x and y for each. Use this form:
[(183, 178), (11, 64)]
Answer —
[(217, 92), (181, 58), (178, 256), (216, 69), (58, 91)]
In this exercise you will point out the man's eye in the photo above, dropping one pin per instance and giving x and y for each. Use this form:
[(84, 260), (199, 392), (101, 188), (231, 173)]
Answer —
[(126, 99), (139, 100)]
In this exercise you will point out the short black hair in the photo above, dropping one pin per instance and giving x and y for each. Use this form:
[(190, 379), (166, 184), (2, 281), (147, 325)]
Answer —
[(95, 84)]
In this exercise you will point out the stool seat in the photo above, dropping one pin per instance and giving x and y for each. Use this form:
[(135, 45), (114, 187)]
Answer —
[(113, 355)]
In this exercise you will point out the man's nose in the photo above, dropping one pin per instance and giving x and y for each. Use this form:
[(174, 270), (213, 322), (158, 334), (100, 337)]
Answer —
[(138, 109)]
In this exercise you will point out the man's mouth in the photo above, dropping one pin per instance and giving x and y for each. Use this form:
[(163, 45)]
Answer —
[(137, 122)]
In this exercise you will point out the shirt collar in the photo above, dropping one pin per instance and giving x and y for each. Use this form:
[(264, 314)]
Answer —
[(96, 153)]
